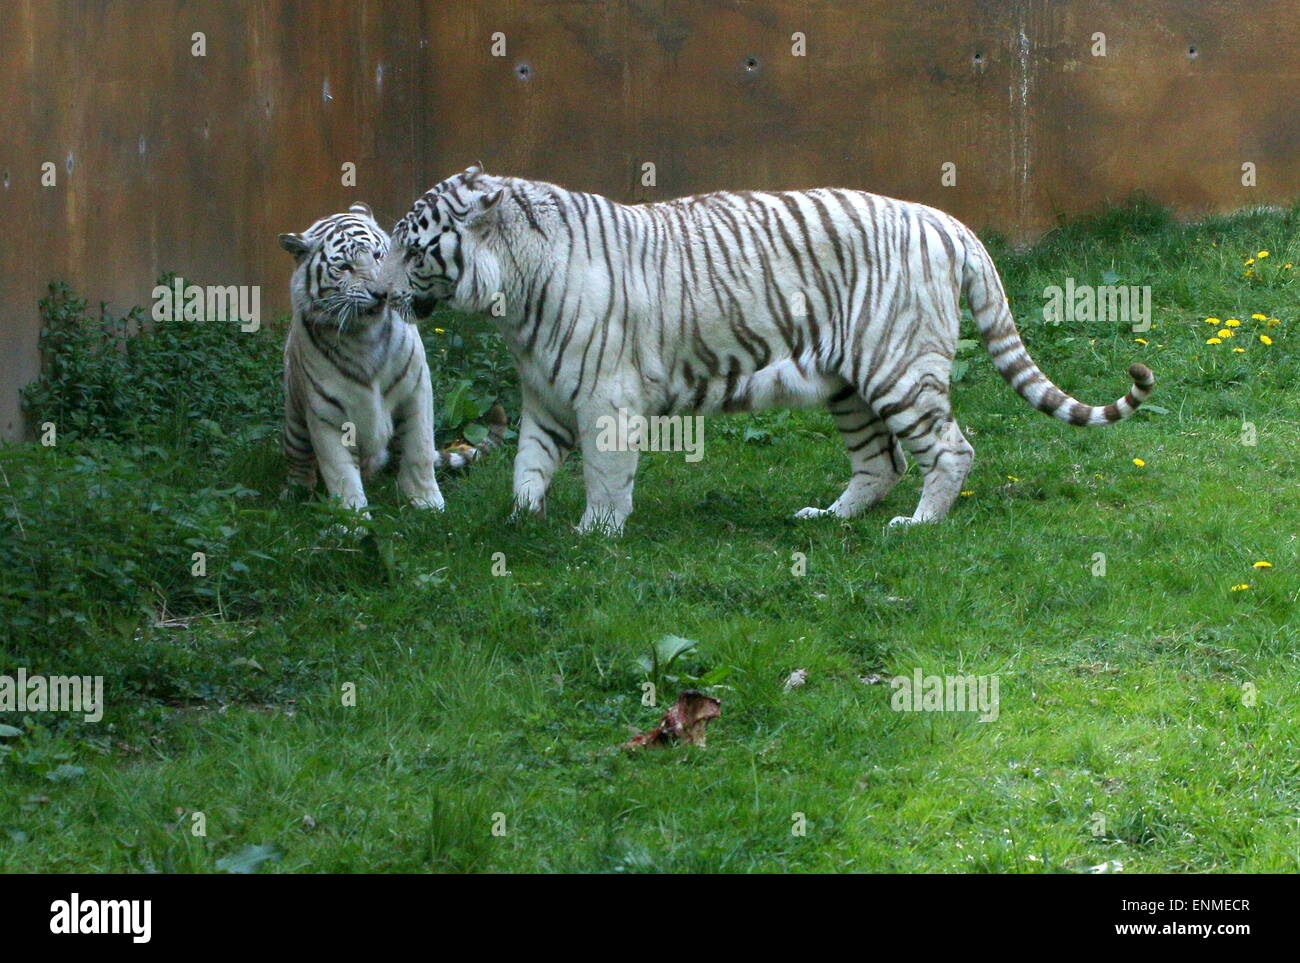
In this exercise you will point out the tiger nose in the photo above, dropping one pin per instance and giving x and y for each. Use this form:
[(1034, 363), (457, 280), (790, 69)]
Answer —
[(380, 296)]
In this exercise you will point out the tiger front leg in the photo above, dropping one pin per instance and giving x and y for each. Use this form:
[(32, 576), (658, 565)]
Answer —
[(339, 464), (609, 470), (417, 449), (543, 445)]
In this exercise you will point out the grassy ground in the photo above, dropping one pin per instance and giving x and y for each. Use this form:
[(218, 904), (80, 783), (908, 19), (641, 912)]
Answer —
[(1147, 715)]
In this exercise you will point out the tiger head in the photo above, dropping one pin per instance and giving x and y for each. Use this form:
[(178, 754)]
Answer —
[(438, 237), (336, 281)]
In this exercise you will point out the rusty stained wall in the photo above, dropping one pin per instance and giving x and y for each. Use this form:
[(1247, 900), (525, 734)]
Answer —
[(170, 162)]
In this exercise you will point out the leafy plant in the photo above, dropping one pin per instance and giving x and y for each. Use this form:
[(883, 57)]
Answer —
[(204, 385), (665, 663), (961, 365), (470, 370)]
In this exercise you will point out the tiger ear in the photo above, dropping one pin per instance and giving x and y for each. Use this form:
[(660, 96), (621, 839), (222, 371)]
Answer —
[(296, 245), (362, 208), (484, 208)]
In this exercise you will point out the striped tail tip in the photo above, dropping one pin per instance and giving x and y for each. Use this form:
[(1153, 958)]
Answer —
[(1142, 376), (498, 422), (1058, 404), (1143, 382)]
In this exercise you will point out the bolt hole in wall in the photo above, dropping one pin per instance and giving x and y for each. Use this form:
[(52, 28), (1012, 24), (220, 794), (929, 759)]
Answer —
[(751, 64), (523, 71), (1191, 53)]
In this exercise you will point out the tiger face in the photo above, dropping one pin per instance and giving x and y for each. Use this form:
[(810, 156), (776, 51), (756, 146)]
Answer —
[(336, 281), (432, 242)]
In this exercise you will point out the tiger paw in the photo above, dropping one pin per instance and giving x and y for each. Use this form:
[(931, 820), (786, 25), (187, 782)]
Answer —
[(600, 523), (812, 512), (433, 502), (523, 511)]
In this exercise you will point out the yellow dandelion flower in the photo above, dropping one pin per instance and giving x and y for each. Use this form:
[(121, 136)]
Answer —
[(439, 331), (967, 494), (1140, 340), (1249, 261), (1012, 478), (1287, 267), (1265, 339), (1214, 341), (1263, 565), (1274, 322), (1226, 333), (1214, 321), (1232, 323), (1139, 462), (1260, 317), (1240, 588), (1262, 254), (1238, 350)]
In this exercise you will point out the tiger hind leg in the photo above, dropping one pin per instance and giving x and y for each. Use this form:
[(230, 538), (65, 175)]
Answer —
[(875, 455), (925, 426)]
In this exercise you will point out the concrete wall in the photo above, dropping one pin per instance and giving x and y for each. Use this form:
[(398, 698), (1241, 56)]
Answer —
[(168, 161)]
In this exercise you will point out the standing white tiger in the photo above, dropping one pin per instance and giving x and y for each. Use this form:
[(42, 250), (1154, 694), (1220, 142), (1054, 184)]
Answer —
[(356, 378), (724, 302)]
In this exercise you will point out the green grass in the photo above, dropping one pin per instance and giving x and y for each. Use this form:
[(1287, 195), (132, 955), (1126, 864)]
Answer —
[(1121, 695)]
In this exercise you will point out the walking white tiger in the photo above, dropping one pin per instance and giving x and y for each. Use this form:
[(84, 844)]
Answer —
[(727, 301), (355, 374)]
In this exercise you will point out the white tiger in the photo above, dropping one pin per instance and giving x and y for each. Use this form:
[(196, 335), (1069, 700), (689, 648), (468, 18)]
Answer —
[(723, 302), (356, 379)]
